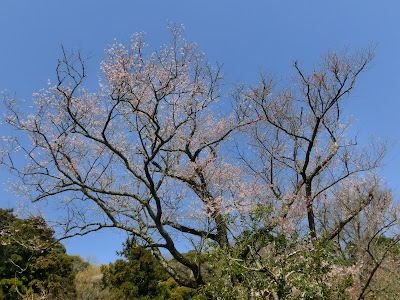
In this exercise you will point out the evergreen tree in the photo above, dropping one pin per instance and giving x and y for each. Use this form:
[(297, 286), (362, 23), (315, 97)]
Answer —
[(140, 276), (32, 262)]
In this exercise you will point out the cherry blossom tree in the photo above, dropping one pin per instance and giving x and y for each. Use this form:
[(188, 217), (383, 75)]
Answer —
[(142, 154), (163, 152), (300, 147)]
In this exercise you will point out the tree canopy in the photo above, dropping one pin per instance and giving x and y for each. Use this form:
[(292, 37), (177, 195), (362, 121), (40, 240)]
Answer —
[(264, 181), (32, 262), (140, 276)]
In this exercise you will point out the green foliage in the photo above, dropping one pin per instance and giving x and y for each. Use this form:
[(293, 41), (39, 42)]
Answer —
[(11, 288), (140, 276), (170, 289), (135, 278), (79, 264), (278, 266), (32, 261)]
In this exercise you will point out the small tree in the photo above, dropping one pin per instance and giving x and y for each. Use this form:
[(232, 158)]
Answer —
[(32, 262), (135, 278), (140, 276)]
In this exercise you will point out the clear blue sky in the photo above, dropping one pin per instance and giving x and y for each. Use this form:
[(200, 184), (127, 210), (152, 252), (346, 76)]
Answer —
[(243, 35)]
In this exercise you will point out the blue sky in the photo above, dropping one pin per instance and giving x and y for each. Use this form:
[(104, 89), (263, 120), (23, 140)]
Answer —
[(245, 36)]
